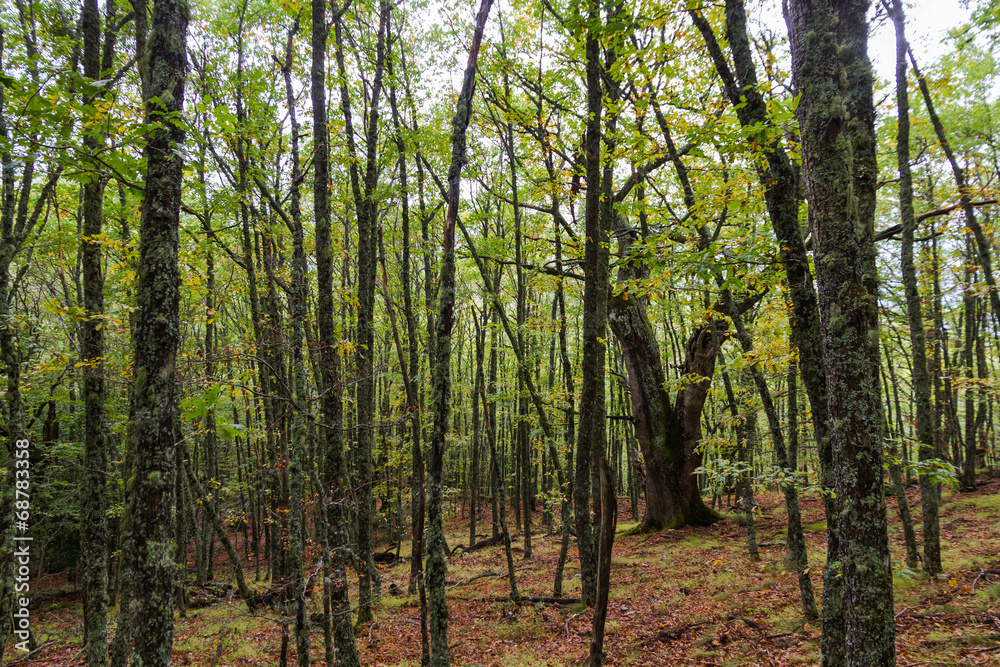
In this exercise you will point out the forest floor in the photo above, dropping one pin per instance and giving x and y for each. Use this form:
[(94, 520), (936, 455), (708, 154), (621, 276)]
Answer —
[(679, 597)]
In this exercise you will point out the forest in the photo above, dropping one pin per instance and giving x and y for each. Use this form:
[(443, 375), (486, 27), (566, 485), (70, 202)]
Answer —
[(504, 332)]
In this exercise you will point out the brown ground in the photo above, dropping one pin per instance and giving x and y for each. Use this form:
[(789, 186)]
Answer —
[(689, 596)]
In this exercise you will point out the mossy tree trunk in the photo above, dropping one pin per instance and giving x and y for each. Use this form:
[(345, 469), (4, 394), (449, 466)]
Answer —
[(93, 519), (591, 432), (369, 581), (926, 433), (329, 377), (668, 432), (780, 178), (417, 494), (830, 67), (157, 333), (298, 458)]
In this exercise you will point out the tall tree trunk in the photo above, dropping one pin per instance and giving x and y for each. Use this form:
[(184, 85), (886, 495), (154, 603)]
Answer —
[(570, 429), (298, 458), (438, 607), (970, 309), (781, 194), (926, 433), (369, 581), (334, 475), (157, 333), (591, 433), (94, 528), (522, 439), (836, 115), (417, 496)]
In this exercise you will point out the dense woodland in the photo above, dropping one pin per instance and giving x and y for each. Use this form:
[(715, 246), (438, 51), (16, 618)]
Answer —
[(304, 308)]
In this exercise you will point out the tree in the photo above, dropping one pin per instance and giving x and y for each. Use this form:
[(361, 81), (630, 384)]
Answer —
[(328, 376), (435, 568), (94, 489), (836, 119), (926, 435), (668, 432), (590, 434), (157, 335)]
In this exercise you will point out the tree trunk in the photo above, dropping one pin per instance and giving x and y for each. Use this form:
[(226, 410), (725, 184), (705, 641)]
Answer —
[(438, 607), (93, 519), (921, 379), (609, 519), (668, 434), (334, 475), (157, 334), (971, 333), (836, 118), (369, 580), (591, 433), (298, 459)]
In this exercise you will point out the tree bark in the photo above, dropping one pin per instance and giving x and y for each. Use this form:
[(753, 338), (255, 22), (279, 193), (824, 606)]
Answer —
[(93, 519), (836, 118), (157, 333), (369, 580), (298, 459), (591, 433), (334, 475), (609, 519), (926, 433), (668, 434)]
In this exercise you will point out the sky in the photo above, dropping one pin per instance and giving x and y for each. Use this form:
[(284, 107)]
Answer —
[(927, 24)]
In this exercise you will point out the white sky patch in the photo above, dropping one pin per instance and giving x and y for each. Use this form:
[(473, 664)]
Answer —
[(927, 26)]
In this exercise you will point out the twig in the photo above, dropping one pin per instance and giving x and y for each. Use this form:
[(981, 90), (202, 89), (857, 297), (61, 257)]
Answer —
[(218, 649), (982, 573), (524, 599), (25, 657), (488, 573), (570, 618)]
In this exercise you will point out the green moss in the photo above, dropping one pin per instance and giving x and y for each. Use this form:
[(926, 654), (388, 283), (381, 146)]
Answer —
[(979, 505), (633, 528), (704, 654), (701, 542), (518, 631)]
